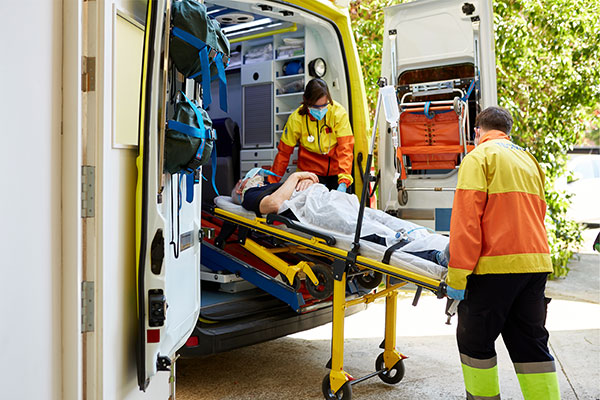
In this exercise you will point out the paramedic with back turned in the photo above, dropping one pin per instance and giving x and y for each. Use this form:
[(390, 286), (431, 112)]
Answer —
[(321, 129), (499, 262)]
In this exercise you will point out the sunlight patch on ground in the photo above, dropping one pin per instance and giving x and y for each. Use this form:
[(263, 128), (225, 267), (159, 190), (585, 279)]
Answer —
[(428, 319)]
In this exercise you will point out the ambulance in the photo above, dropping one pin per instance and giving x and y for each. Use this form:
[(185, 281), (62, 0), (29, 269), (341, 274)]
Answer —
[(122, 281)]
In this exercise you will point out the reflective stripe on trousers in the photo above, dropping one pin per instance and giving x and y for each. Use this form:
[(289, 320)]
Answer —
[(481, 378), (538, 380)]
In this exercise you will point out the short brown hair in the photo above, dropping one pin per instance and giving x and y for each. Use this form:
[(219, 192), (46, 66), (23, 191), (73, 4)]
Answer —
[(494, 118), (315, 89)]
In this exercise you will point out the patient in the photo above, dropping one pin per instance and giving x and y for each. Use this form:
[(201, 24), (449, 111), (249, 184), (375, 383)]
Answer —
[(255, 194), (302, 198)]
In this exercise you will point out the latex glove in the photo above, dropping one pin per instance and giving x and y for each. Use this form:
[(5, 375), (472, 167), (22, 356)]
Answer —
[(455, 294), (342, 187)]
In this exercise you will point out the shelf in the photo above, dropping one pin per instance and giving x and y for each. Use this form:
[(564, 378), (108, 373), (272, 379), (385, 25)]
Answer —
[(289, 58), (290, 94), (284, 77)]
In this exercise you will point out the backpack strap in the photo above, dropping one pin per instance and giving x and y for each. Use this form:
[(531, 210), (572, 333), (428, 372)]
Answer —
[(222, 81), (203, 49)]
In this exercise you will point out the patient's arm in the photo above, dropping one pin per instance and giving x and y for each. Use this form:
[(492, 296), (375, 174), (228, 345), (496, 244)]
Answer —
[(272, 202)]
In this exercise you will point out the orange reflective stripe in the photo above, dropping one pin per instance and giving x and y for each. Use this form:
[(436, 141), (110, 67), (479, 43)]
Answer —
[(514, 224)]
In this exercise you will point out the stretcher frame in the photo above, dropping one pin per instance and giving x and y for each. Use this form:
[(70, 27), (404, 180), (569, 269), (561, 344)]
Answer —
[(390, 359)]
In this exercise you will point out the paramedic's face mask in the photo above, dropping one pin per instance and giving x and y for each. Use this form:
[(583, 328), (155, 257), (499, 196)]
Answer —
[(319, 109)]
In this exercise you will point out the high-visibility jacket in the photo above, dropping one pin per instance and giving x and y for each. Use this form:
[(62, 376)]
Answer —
[(325, 147), (497, 224)]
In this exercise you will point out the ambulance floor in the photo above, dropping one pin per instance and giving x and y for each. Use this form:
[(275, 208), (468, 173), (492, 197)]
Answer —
[(293, 367)]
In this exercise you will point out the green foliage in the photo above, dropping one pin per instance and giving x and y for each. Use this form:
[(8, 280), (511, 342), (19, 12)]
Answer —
[(367, 24), (548, 70), (547, 56)]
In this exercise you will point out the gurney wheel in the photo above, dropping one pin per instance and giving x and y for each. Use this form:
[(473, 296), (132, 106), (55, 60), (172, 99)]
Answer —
[(295, 285), (391, 376), (370, 279), (345, 392), (403, 197), (325, 277)]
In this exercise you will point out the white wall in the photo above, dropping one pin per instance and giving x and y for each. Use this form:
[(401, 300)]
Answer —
[(30, 203)]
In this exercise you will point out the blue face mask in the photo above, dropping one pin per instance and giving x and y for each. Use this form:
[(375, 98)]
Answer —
[(318, 113)]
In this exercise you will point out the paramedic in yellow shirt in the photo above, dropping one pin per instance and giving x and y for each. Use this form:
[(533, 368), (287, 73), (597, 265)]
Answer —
[(321, 129)]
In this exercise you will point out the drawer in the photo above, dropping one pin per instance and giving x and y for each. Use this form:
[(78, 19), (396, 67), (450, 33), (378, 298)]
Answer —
[(261, 72), (258, 154), (246, 166)]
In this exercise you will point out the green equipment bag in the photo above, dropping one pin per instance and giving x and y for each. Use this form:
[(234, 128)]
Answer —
[(189, 142), (199, 48)]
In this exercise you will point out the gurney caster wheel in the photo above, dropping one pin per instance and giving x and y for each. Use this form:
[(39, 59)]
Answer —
[(345, 392), (325, 287), (391, 376), (370, 279)]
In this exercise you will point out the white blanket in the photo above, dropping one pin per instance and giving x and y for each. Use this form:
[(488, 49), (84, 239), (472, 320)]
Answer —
[(336, 213)]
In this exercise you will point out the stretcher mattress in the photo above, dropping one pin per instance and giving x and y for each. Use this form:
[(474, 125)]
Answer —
[(340, 226)]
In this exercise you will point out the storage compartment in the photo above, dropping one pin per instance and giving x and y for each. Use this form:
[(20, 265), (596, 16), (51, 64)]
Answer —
[(257, 73)]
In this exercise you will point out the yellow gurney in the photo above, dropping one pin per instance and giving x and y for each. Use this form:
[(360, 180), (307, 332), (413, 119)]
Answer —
[(389, 364)]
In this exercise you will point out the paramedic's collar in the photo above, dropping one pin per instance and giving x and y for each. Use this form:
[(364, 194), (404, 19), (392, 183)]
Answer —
[(492, 135)]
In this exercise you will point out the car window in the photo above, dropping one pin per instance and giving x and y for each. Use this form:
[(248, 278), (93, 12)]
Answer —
[(587, 169)]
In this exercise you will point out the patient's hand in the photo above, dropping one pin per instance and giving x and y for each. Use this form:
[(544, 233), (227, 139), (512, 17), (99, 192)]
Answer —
[(304, 184), (301, 175)]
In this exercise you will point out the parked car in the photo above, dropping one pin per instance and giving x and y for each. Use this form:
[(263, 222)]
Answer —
[(583, 182)]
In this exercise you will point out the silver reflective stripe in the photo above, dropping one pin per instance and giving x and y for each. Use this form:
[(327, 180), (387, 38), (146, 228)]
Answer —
[(535, 367), (471, 397), (477, 363)]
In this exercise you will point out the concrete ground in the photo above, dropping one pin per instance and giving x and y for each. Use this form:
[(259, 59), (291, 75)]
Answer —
[(293, 367)]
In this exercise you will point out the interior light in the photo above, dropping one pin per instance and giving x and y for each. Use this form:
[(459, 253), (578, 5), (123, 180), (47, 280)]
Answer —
[(317, 68)]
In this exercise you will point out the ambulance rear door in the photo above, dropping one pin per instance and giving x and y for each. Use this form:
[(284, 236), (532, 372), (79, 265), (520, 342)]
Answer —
[(422, 39), (167, 224)]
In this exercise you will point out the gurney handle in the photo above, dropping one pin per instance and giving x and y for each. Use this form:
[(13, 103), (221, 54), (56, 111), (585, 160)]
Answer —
[(272, 218)]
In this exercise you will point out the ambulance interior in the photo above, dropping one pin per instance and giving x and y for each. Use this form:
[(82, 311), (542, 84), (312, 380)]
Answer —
[(275, 50)]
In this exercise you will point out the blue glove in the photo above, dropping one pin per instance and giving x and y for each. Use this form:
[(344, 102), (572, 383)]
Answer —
[(455, 293), (342, 187)]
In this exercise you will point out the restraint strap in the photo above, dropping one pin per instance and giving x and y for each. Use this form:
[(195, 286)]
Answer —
[(390, 250)]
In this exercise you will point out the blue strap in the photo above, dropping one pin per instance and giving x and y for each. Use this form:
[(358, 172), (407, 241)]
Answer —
[(205, 71), (188, 38), (204, 63), (468, 94), (189, 191), (192, 131), (196, 111), (213, 156), (222, 82), (426, 111)]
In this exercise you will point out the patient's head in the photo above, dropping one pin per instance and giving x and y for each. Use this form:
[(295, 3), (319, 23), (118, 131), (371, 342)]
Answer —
[(253, 179)]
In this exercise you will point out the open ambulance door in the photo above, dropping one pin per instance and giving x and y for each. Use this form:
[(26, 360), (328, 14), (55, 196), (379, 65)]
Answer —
[(439, 55), (167, 226)]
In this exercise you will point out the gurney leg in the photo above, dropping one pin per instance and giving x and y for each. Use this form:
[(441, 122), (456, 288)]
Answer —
[(337, 376), (390, 361)]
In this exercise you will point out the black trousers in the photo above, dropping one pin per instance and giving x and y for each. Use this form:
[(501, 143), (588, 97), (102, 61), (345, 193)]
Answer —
[(511, 305), (330, 181)]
